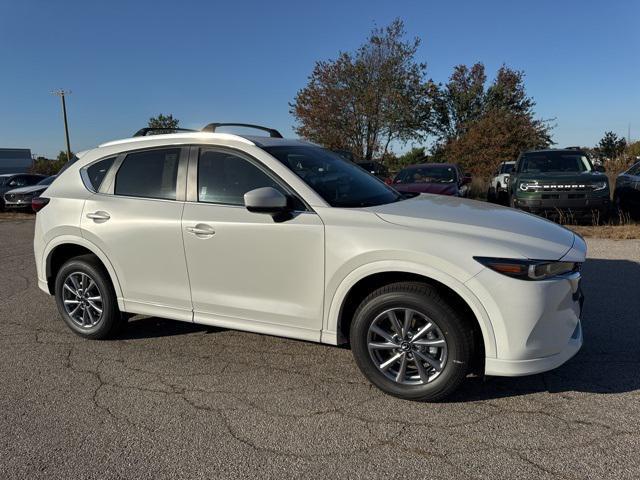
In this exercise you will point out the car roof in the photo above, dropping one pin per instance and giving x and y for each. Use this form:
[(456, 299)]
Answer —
[(200, 136), (555, 150)]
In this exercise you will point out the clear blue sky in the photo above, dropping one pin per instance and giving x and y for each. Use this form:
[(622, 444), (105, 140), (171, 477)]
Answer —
[(244, 61)]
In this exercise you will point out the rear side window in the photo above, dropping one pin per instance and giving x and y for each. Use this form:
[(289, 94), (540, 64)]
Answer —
[(149, 174), (225, 178), (97, 172)]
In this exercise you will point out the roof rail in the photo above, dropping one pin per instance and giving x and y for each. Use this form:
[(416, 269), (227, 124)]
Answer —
[(143, 132), (271, 131)]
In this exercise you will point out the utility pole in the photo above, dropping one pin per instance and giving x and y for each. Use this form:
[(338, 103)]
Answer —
[(61, 93)]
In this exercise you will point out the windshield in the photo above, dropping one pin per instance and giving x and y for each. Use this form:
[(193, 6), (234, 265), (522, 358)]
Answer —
[(506, 168), (427, 174), (559, 162), (339, 182), (47, 181)]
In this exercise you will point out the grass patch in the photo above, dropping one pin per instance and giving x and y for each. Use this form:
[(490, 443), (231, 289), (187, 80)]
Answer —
[(629, 231), (16, 216)]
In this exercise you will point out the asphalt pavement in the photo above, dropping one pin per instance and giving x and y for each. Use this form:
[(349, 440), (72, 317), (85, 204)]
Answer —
[(176, 400)]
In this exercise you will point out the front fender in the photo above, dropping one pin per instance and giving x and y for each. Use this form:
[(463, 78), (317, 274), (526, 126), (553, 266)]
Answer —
[(337, 298)]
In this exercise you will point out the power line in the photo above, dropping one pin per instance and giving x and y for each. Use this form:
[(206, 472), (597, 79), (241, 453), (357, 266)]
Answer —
[(61, 93)]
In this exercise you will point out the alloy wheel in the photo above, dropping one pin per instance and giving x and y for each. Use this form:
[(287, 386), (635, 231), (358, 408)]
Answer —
[(407, 346), (82, 299)]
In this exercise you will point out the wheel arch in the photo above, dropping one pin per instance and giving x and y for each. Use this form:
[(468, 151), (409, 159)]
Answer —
[(63, 248), (368, 277)]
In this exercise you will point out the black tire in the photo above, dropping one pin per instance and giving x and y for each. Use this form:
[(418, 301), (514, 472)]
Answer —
[(425, 300), (110, 321)]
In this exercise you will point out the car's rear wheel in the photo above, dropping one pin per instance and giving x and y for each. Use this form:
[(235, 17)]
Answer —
[(86, 299), (409, 342)]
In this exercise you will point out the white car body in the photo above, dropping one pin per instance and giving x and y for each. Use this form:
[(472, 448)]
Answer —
[(293, 278)]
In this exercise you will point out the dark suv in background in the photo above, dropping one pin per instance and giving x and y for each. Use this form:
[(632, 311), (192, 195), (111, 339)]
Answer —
[(560, 184), (9, 181)]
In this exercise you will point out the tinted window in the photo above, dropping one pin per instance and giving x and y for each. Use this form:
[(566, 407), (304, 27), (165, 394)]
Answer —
[(542, 162), (427, 174), (47, 181), (21, 181), (97, 172), (339, 182), (224, 178), (506, 168), (635, 170), (149, 174)]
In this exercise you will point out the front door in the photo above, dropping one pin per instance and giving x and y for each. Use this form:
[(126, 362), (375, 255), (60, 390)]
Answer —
[(248, 270)]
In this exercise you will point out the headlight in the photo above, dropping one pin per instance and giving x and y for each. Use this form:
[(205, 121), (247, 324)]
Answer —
[(599, 185), (526, 186), (528, 269)]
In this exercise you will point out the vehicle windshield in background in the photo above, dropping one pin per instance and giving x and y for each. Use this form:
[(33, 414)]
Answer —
[(506, 168), (558, 162), (339, 182), (47, 181), (427, 174)]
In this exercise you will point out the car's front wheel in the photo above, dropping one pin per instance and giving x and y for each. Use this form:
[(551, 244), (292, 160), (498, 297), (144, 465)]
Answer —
[(86, 299), (409, 342)]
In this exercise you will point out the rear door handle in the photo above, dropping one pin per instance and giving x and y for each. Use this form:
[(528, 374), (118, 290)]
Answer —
[(99, 216), (201, 230)]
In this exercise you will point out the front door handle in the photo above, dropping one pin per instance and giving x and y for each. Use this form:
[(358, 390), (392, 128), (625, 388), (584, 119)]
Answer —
[(202, 230), (99, 216)]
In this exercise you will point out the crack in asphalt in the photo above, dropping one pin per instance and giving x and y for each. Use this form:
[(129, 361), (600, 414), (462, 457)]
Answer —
[(289, 400)]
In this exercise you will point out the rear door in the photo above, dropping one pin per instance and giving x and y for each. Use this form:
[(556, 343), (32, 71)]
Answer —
[(135, 219)]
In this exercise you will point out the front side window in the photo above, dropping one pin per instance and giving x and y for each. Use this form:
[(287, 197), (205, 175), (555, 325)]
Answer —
[(96, 172), (149, 174), (224, 178), (339, 182)]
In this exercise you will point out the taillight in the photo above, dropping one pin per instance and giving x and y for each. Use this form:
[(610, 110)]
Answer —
[(38, 203)]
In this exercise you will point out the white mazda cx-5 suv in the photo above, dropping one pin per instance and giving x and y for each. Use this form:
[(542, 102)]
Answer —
[(285, 238)]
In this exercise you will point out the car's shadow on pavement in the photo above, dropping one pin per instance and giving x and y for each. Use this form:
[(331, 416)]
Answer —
[(142, 327), (609, 361)]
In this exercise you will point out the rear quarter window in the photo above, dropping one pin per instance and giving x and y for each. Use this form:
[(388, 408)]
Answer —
[(96, 172)]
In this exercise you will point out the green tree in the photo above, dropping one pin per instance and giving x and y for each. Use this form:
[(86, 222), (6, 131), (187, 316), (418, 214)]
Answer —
[(459, 102), (633, 150), (612, 146), (364, 100), (480, 126), (46, 166), (163, 121)]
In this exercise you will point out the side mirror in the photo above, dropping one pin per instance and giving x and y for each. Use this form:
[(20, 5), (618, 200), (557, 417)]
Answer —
[(599, 168), (265, 200), (466, 179)]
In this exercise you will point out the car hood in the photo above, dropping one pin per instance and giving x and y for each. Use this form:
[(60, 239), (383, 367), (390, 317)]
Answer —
[(29, 189), (501, 230), (585, 177), (437, 188)]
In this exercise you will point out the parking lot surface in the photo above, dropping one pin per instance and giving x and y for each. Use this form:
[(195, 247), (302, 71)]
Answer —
[(176, 400)]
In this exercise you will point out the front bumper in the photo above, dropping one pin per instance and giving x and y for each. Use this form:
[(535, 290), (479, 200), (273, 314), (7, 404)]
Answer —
[(17, 201), (536, 324), (563, 203)]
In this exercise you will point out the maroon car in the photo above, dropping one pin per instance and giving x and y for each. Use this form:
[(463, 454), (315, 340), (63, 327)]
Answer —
[(439, 178)]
